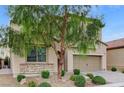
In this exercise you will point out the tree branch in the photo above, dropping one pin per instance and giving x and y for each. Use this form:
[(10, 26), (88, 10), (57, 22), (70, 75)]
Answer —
[(55, 49)]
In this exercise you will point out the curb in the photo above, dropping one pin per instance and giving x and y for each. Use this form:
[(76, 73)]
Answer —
[(120, 84)]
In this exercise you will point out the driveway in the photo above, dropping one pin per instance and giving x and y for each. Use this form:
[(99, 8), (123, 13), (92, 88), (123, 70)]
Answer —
[(111, 77)]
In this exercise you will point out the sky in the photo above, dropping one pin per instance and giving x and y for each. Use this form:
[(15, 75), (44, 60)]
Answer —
[(113, 17)]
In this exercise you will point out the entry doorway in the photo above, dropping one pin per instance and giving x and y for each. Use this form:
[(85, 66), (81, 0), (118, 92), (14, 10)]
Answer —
[(5, 67), (5, 63)]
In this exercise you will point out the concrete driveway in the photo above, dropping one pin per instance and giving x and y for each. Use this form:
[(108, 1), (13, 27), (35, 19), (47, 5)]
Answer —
[(111, 77)]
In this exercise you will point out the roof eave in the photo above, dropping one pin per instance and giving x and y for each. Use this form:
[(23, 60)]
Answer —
[(118, 47)]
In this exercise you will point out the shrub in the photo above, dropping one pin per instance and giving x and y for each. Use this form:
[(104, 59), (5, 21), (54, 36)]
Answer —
[(32, 84), (76, 71), (44, 84), (20, 77), (80, 81), (45, 74), (79, 77), (123, 71), (99, 80), (113, 69), (73, 77), (63, 73), (90, 75)]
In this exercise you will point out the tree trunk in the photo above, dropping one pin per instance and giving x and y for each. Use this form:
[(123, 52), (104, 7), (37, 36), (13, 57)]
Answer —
[(59, 70), (62, 46), (60, 64)]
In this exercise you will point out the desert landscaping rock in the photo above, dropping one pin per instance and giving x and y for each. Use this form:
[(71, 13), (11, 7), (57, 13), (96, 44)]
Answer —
[(9, 81), (111, 77)]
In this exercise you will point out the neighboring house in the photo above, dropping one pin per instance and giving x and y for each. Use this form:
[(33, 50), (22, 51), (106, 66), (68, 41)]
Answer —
[(115, 54), (4, 52), (45, 59)]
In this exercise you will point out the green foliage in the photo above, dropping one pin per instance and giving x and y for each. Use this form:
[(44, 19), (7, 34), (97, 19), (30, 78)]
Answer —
[(63, 73), (122, 71), (80, 81), (113, 69), (51, 26), (99, 80), (4, 39), (35, 22), (79, 77), (20, 77), (32, 84), (73, 77), (45, 74), (76, 71), (44, 84), (90, 75)]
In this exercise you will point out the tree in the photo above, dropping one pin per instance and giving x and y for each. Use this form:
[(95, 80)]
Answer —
[(52, 26), (4, 40)]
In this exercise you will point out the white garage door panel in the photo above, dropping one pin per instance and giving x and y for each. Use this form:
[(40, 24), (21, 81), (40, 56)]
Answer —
[(89, 63)]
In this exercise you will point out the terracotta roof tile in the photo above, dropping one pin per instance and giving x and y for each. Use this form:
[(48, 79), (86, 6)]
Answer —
[(116, 44)]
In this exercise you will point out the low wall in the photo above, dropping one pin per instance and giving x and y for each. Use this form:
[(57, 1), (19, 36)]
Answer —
[(35, 68)]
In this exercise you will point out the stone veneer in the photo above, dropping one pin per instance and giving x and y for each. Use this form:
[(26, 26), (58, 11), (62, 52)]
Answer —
[(34, 68)]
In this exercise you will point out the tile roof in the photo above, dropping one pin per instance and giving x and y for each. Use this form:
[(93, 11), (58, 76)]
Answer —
[(115, 44)]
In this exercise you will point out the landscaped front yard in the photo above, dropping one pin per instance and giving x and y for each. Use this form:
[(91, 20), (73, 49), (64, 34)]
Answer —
[(9, 81), (67, 79), (65, 82)]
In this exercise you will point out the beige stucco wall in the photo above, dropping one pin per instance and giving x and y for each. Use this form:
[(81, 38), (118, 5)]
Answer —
[(51, 58), (17, 60), (115, 57), (4, 52), (100, 51)]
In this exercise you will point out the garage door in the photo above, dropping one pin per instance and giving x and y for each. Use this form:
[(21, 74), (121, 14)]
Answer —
[(89, 63)]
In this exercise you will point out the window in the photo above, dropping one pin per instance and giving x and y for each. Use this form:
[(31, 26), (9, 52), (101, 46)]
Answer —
[(41, 54), (37, 55)]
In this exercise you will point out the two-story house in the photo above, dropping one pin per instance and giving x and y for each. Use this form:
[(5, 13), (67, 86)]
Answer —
[(45, 58)]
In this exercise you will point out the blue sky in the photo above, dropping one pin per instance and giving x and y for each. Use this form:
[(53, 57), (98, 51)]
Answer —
[(4, 19), (113, 19)]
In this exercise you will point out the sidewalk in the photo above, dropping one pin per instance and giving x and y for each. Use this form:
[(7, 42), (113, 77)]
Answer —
[(120, 84)]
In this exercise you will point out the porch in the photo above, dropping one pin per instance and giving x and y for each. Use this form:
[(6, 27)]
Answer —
[(5, 71), (5, 67)]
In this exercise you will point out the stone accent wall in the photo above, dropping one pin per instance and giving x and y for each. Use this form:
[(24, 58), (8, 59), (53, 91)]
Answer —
[(34, 68)]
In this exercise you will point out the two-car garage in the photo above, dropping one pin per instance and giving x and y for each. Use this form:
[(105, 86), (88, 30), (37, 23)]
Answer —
[(87, 63)]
